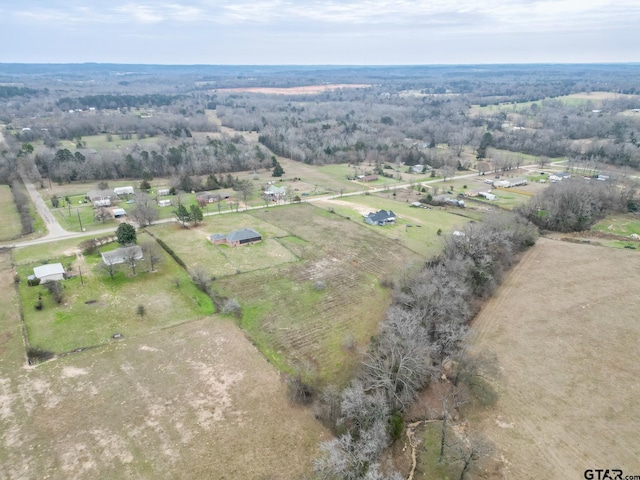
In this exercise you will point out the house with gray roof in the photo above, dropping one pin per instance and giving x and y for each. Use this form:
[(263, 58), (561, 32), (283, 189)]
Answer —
[(122, 254), (236, 238), (101, 198), (382, 217)]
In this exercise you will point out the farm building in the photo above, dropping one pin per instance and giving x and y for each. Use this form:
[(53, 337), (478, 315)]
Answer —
[(487, 195), (120, 255), (164, 203), (511, 182), (420, 168), (208, 197), (368, 178), (119, 212), (446, 199), (49, 273), (236, 238), (124, 190), (382, 217), (163, 192), (101, 198), (558, 177)]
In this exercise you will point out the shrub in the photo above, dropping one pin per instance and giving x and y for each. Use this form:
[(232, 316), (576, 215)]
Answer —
[(298, 390), (396, 425), (319, 286), (231, 307), (38, 355)]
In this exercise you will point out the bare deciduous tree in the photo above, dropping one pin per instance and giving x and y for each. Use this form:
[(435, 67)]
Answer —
[(144, 212), (153, 253)]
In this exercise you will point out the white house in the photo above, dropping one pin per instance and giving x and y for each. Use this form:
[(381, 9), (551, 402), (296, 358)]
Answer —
[(124, 190), (163, 192), (49, 273), (164, 203), (558, 177)]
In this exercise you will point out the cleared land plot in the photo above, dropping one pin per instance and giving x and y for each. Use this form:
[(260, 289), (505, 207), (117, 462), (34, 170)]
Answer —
[(195, 250), (10, 226), (95, 306), (295, 323), (194, 401), (564, 326), (416, 228), (622, 224), (592, 99)]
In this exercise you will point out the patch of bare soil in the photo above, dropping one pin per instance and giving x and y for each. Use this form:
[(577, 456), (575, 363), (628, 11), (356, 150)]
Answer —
[(302, 90), (565, 329), (195, 401)]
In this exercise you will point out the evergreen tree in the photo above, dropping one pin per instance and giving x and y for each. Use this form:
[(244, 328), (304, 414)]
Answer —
[(126, 234), (195, 213), (182, 214)]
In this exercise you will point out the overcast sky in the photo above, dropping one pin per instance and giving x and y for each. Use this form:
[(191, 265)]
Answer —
[(373, 32)]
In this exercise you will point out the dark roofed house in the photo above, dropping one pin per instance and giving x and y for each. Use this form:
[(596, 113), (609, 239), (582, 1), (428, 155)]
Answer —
[(382, 217), (236, 238)]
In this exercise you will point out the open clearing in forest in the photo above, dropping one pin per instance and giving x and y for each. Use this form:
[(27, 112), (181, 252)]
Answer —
[(193, 401), (565, 328)]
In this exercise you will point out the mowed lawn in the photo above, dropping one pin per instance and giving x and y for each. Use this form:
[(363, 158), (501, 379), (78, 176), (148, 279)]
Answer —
[(314, 314), (193, 247), (193, 401), (416, 228), (10, 226), (95, 307)]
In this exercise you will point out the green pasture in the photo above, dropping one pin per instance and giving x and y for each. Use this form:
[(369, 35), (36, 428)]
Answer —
[(42, 253), (95, 306), (192, 244), (415, 228), (619, 224), (101, 142), (309, 314), (10, 225)]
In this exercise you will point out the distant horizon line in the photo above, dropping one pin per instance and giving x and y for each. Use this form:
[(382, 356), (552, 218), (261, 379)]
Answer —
[(333, 65)]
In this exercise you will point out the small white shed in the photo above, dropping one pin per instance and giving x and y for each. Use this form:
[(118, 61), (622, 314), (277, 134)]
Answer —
[(49, 273)]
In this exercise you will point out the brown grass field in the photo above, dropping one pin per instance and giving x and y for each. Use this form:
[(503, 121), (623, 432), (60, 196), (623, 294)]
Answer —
[(565, 329), (192, 401)]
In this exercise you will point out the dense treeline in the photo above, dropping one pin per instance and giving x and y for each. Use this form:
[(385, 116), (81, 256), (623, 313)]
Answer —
[(21, 201), (354, 126), (8, 91), (185, 159), (423, 331), (116, 101), (575, 205)]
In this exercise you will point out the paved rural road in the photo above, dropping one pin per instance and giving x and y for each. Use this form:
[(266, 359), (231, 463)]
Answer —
[(56, 232), (55, 229)]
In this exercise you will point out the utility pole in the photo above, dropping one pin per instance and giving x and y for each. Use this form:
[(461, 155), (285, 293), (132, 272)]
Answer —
[(79, 220), (81, 279)]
